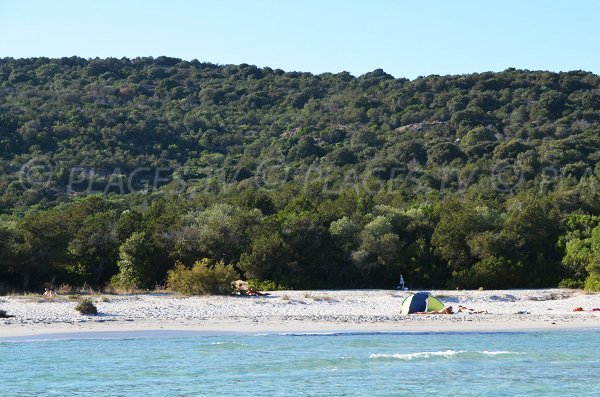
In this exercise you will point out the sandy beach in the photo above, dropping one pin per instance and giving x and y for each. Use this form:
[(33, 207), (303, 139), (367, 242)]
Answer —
[(302, 311)]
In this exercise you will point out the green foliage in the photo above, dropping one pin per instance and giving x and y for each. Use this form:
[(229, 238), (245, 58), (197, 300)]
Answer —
[(312, 181), (219, 232), (266, 259), (571, 283), (582, 249), (578, 255), (95, 246), (137, 267), (38, 242), (204, 278), (458, 224), (592, 282), (489, 273), (266, 285)]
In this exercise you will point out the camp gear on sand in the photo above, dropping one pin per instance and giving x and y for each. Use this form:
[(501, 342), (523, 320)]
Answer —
[(420, 302)]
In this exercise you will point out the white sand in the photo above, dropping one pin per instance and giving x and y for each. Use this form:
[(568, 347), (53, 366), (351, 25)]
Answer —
[(302, 311)]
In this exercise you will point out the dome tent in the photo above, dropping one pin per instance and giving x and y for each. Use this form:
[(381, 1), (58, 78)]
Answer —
[(420, 302)]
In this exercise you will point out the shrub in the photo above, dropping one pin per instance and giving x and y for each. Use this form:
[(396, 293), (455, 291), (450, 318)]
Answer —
[(319, 298), (489, 273), (266, 285), (120, 283), (86, 306), (204, 278), (592, 283), (571, 283), (65, 289)]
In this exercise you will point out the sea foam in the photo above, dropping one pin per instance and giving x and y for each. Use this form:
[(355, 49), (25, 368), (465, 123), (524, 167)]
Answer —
[(444, 354)]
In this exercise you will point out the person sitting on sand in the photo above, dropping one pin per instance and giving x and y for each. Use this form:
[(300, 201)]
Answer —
[(463, 309), (252, 292), (243, 288), (240, 287), (48, 293)]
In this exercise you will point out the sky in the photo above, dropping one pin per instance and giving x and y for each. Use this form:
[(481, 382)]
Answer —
[(404, 38)]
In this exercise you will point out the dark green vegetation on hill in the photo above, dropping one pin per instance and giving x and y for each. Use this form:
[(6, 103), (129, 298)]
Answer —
[(311, 181)]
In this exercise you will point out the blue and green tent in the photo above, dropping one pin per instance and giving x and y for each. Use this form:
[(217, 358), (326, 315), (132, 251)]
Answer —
[(420, 302)]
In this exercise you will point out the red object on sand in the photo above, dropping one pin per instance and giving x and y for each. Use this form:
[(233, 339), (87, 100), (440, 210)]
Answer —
[(578, 309)]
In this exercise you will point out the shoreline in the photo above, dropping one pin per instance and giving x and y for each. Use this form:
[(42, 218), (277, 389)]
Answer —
[(138, 330), (350, 311)]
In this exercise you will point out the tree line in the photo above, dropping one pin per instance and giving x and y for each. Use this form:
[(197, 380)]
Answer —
[(309, 181)]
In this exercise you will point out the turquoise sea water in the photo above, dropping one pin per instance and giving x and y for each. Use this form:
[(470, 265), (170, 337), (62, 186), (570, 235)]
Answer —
[(563, 363)]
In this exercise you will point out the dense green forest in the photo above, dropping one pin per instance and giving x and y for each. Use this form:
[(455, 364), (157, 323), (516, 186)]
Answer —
[(114, 170)]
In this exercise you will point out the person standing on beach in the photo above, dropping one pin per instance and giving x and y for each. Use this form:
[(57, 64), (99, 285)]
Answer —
[(401, 284)]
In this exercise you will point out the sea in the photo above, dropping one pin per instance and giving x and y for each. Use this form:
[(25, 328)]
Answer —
[(557, 363)]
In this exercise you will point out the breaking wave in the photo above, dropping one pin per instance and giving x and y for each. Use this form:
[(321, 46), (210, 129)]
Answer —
[(444, 354)]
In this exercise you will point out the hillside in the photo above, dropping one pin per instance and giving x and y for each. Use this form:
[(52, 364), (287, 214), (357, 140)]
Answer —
[(119, 168)]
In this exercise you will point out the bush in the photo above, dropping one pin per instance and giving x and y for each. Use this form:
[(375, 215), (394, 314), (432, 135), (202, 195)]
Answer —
[(266, 285), (571, 283), (119, 282), (489, 273), (86, 306), (592, 283), (204, 278)]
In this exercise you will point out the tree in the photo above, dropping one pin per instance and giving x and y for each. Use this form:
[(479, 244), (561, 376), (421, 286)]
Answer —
[(267, 259), (219, 232), (381, 243), (95, 246), (578, 256), (8, 255), (551, 104), (342, 156), (255, 198), (592, 282), (72, 130), (459, 223), (510, 149), (478, 142), (444, 153), (308, 263), (40, 245), (490, 273), (137, 263), (345, 233)]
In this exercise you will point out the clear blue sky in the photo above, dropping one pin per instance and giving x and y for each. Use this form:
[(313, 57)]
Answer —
[(406, 39)]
